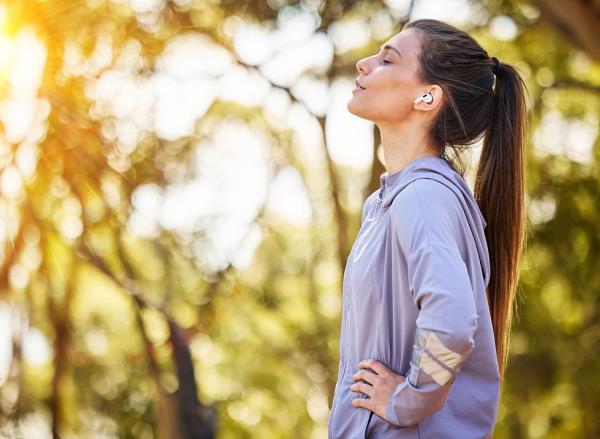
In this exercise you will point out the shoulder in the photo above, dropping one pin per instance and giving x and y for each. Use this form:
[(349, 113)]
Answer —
[(429, 194), (425, 212)]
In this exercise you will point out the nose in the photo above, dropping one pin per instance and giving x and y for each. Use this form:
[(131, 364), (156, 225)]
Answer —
[(361, 65)]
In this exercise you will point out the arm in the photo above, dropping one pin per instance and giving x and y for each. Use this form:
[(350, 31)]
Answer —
[(440, 284)]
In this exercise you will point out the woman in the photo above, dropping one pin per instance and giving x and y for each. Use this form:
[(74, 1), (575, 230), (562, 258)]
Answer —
[(429, 284)]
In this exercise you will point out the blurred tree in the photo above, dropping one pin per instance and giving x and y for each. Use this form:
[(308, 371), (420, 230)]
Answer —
[(151, 340), (578, 21)]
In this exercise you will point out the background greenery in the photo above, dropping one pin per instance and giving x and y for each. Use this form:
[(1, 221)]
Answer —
[(146, 339)]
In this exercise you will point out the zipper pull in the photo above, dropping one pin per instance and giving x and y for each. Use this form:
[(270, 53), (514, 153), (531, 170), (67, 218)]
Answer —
[(382, 187)]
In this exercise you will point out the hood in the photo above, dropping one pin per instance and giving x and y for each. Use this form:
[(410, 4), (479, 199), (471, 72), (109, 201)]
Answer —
[(437, 168)]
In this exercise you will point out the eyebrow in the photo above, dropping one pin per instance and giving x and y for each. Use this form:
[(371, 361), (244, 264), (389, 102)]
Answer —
[(387, 46)]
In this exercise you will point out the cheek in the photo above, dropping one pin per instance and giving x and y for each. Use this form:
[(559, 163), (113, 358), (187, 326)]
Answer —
[(387, 98), (393, 101), (399, 87)]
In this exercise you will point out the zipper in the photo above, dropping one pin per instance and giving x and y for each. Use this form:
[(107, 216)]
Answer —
[(337, 393), (335, 400), (368, 422), (346, 353), (344, 361), (380, 202)]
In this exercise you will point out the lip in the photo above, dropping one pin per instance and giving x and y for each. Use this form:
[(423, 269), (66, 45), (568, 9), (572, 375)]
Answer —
[(358, 85), (357, 89)]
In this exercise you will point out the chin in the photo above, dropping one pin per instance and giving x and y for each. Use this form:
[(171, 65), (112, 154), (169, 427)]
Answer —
[(355, 108)]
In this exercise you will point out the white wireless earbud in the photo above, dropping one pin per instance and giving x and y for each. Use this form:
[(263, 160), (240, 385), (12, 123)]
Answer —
[(427, 98)]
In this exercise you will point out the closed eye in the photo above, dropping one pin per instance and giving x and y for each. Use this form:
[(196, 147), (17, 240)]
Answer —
[(385, 61)]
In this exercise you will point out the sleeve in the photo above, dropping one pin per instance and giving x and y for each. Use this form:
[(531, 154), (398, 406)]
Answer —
[(442, 291)]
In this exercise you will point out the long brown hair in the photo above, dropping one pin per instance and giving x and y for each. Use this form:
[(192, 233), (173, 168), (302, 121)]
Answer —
[(480, 104)]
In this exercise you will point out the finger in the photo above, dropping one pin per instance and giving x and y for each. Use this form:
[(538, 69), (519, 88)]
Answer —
[(367, 389), (367, 376), (379, 368), (363, 403)]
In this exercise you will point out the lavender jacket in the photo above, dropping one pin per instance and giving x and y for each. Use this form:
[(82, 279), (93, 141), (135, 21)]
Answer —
[(414, 298)]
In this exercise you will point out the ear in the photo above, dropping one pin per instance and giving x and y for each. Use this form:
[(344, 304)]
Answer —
[(438, 98)]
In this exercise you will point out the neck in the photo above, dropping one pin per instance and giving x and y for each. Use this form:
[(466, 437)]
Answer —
[(403, 143)]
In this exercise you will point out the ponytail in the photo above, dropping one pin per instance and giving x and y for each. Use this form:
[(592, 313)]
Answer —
[(499, 190), (484, 98)]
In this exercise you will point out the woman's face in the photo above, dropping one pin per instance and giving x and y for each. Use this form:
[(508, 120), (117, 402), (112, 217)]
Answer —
[(390, 80)]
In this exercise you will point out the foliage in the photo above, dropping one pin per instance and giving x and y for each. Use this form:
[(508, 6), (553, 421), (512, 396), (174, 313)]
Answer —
[(135, 323)]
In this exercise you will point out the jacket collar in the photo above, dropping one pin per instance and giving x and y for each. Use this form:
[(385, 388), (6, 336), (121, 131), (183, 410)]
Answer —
[(388, 183)]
